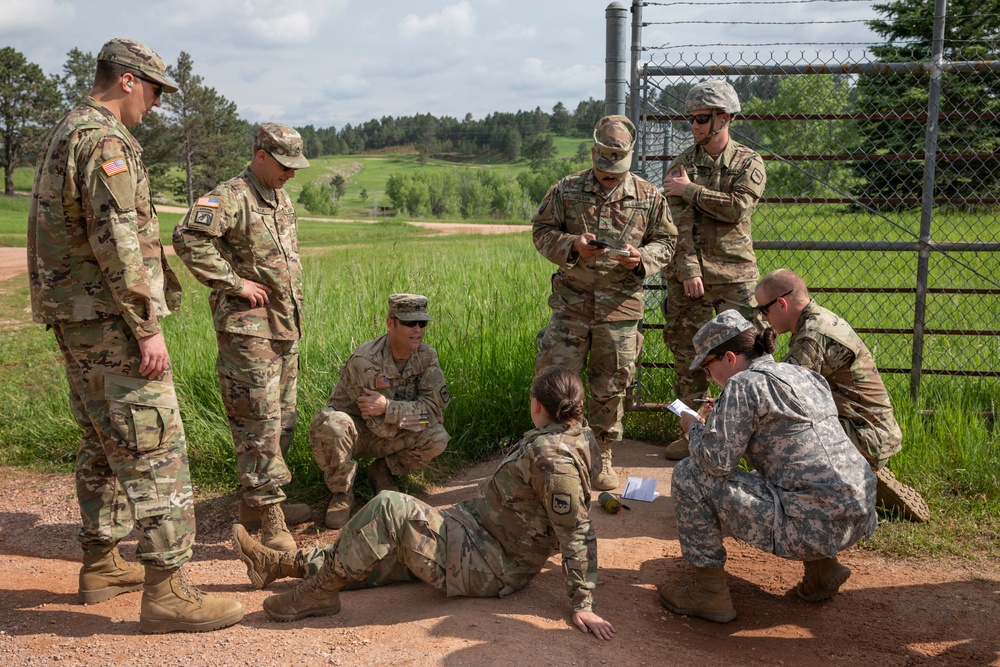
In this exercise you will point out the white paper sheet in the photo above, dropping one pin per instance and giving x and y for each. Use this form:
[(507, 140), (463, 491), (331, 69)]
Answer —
[(640, 488)]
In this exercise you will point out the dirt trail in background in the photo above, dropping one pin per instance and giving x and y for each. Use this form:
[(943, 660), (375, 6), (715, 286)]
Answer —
[(889, 613), (14, 261)]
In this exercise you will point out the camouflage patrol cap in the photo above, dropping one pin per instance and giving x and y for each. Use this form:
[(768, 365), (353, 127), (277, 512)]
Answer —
[(712, 94), (138, 56), (409, 307), (614, 137), (283, 143), (725, 326)]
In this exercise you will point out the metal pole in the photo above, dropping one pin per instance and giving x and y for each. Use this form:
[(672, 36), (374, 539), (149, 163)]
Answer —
[(926, 209), (635, 109), (615, 62)]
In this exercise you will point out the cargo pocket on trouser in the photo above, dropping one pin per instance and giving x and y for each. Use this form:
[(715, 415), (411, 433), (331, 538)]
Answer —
[(254, 411), (150, 463)]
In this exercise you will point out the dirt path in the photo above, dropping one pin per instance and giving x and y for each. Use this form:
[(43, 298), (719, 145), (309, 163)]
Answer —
[(888, 614)]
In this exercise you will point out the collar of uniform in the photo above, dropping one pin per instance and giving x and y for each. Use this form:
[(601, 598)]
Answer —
[(389, 369), (807, 312), (624, 190), (119, 126), (725, 158), (267, 194)]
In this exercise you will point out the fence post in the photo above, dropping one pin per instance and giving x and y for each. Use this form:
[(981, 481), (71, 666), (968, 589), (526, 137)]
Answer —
[(634, 105), (615, 61), (927, 197)]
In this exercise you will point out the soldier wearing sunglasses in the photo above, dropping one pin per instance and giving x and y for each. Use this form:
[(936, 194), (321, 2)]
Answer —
[(388, 405), (712, 189)]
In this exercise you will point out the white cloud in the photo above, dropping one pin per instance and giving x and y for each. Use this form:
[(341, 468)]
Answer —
[(516, 32), (291, 28), (452, 20), (20, 15)]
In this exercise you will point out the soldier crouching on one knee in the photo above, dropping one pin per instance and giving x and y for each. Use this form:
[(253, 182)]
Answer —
[(388, 404)]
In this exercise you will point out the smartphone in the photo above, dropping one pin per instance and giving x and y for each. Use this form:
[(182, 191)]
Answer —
[(598, 243)]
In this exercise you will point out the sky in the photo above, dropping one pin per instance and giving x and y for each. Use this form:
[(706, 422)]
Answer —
[(332, 62)]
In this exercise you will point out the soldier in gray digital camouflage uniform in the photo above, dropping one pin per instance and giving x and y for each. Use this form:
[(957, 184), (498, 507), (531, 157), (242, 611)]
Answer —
[(100, 281), (811, 494), (388, 404), (241, 241), (597, 295), (712, 188), (535, 504), (827, 344)]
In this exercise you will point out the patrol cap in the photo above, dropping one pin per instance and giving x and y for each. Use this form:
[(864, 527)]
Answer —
[(725, 326), (712, 94), (138, 56), (614, 137), (283, 143), (409, 307)]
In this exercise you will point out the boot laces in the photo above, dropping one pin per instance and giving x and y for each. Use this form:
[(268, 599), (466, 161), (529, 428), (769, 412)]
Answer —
[(275, 520), (185, 586)]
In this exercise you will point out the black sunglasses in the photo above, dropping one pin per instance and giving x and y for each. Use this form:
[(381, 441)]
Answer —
[(415, 323), (701, 118), (763, 309)]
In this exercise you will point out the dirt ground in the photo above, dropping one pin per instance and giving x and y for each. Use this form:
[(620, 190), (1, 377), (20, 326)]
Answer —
[(888, 614)]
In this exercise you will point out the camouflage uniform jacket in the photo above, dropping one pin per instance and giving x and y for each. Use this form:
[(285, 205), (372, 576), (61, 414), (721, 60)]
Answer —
[(243, 230), (537, 503), (713, 215), (417, 394), (826, 344), (599, 289), (94, 250), (782, 419)]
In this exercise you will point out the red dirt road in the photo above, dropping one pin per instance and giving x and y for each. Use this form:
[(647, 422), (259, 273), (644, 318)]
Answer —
[(888, 614)]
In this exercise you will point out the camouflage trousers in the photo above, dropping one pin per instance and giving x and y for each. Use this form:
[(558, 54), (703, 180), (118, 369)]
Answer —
[(258, 378), (608, 350), (748, 506), (396, 537), (131, 464), (869, 443), (684, 316), (336, 438)]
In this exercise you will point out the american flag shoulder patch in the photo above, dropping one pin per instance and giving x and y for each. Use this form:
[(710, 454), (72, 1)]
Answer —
[(211, 202), (116, 166), (382, 383)]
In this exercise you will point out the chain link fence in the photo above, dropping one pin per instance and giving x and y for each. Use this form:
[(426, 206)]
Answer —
[(881, 194)]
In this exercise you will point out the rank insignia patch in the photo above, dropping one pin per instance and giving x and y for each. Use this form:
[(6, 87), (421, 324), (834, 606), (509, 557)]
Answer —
[(116, 166)]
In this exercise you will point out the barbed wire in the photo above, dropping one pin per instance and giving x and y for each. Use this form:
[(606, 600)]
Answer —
[(666, 47), (746, 2), (757, 22)]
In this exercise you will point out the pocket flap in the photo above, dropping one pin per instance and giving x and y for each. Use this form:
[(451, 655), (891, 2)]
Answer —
[(139, 391)]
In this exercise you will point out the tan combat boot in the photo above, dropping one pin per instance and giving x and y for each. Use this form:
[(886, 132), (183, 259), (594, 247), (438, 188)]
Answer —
[(608, 479), (339, 510), (318, 595), (295, 513), (706, 597), (264, 565), (274, 533), (380, 476), (106, 575), (678, 449), (895, 496), (822, 580), (171, 604)]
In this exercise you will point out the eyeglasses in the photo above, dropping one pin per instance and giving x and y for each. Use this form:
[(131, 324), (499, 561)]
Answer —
[(707, 363), (763, 309), (700, 119), (415, 323), (157, 87)]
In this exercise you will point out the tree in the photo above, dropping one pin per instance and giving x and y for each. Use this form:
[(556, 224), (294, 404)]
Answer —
[(29, 106), (561, 121), (78, 76), (539, 149), (907, 27)]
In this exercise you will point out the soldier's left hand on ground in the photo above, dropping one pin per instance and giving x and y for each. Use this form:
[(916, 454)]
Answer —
[(588, 621)]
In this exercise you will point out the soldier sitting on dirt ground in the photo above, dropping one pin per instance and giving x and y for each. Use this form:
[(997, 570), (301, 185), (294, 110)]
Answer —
[(825, 343), (537, 502), (811, 494), (388, 404)]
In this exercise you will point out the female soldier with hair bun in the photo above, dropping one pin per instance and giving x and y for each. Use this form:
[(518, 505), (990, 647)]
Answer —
[(536, 503), (811, 494)]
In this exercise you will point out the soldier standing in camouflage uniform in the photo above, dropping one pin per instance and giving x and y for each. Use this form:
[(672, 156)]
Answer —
[(712, 188), (811, 494), (100, 281), (827, 344), (240, 240), (535, 504), (388, 404), (596, 296)]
